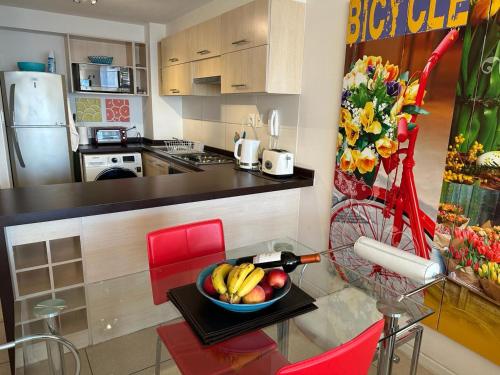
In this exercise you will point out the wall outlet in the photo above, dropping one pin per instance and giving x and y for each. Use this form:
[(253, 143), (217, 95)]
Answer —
[(255, 120)]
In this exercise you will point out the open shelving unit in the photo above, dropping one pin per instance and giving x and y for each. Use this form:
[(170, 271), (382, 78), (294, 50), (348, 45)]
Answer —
[(49, 269), (127, 54)]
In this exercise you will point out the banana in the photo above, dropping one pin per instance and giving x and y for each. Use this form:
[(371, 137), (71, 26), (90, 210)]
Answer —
[(250, 282), (219, 275), (238, 277)]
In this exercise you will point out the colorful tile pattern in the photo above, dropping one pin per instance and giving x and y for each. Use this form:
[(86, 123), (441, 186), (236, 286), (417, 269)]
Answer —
[(88, 110), (117, 110)]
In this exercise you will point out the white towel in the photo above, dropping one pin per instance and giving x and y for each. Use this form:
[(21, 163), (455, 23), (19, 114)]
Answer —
[(75, 139)]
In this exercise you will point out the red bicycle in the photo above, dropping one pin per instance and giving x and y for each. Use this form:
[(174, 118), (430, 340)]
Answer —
[(392, 214)]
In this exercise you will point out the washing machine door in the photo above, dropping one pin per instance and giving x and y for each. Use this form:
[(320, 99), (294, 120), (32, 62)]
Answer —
[(115, 173)]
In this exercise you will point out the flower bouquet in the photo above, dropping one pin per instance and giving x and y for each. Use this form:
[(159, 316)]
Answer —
[(374, 98)]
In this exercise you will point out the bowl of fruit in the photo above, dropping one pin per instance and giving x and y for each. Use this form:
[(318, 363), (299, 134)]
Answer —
[(242, 288)]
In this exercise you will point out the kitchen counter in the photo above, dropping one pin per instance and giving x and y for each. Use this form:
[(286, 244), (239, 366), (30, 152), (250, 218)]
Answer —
[(54, 202)]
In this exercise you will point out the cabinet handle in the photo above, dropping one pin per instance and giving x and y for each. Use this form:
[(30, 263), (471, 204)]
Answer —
[(239, 85), (203, 52), (173, 59), (175, 91), (241, 41)]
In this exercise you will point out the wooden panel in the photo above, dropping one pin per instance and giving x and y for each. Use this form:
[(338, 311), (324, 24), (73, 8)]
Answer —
[(244, 71), (245, 26), (164, 52), (286, 48), (205, 39), (51, 230), (81, 48), (122, 251), (164, 82), (175, 49), (207, 68), (179, 81)]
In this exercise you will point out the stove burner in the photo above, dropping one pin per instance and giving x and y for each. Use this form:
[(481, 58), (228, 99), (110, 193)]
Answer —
[(204, 158)]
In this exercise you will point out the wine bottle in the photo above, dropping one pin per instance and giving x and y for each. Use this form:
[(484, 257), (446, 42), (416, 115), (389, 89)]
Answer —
[(285, 259)]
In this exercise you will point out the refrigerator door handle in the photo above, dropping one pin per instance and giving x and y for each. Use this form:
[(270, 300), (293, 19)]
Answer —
[(13, 104), (17, 149)]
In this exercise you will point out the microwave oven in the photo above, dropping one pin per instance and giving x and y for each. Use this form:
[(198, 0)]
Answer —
[(102, 78)]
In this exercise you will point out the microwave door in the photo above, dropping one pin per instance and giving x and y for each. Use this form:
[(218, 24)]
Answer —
[(109, 77)]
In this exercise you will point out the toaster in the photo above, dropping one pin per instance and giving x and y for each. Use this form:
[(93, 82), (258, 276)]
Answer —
[(277, 162)]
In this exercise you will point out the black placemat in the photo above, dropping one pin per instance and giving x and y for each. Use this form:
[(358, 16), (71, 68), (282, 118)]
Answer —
[(213, 324)]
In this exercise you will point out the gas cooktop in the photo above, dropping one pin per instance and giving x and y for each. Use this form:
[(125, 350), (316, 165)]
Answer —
[(203, 158)]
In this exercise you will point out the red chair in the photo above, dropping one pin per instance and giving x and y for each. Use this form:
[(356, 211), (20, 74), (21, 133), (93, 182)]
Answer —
[(352, 358), (204, 240)]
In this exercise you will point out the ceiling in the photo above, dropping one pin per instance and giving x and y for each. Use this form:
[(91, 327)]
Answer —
[(133, 11)]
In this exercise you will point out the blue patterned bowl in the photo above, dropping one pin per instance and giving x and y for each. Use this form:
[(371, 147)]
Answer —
[(239, 307), (29, 66), (105, 60)]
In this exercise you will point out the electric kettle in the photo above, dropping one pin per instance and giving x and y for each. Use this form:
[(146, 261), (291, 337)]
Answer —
[(248, 154)]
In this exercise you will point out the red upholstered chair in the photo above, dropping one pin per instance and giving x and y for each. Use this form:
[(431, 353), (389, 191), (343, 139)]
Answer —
[(183, 242), (204, 240), (352, 358)]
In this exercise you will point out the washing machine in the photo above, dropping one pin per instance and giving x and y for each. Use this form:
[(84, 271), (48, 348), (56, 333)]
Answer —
[(111, 166)]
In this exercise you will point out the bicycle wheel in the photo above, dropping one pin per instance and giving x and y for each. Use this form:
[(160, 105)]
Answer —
[(352, 219)]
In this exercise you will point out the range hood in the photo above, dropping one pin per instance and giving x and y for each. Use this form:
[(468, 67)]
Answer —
[(212, 80)]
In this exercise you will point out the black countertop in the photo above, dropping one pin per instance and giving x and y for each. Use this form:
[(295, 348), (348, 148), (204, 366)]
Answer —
[(62, 201)]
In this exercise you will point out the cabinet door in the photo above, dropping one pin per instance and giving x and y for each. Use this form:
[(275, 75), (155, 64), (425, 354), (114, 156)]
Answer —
[(245, 27), (175, 49), (244, 71), (204, 39), (179, 81)]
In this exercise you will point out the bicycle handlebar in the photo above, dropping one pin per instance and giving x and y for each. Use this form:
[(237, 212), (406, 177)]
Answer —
[(402, 130), (440, 50)]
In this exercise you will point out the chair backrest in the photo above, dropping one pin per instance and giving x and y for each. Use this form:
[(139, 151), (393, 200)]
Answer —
[(183, 242), (352, 358)]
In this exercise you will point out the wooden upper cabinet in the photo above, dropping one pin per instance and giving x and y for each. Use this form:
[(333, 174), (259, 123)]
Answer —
[(244, 71), (246, 26), (175, 49), (176, 80), (205, 39)]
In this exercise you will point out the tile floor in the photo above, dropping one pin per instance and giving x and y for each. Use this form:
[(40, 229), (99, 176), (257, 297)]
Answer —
[(134, 354)]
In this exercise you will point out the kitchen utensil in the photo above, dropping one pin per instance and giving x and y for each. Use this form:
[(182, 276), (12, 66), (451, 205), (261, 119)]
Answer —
[(30, 66), (248, 154), (106, 60), (274, 125), (239, 307), (277, 162)]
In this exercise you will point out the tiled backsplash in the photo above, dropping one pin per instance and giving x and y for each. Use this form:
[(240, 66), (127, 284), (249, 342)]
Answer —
[(214, 120)]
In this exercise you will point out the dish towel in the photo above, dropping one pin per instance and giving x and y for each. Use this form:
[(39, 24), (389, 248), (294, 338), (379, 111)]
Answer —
[(75, 138)]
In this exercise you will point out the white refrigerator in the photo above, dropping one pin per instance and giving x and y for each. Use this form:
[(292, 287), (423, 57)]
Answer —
[(36, 128)]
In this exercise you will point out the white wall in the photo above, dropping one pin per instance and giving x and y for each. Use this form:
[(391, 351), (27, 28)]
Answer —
[(163, 114), (20, 18), (319, 108)]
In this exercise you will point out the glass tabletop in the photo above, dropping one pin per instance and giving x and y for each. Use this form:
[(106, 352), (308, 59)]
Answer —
[(132, 307)]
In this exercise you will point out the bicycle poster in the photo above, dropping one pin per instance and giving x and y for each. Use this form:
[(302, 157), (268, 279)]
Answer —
[(417, 162)]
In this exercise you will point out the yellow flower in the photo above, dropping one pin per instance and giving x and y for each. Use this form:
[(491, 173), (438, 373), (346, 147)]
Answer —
[(340, 140), (366, 161), (345, 117), (366, 119), (348, 160), (386, 147), (392, 72), (483, 10), (410, 94), (352, 133), (396, 109)]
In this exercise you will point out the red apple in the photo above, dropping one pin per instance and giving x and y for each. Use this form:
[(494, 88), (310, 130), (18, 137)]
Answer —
[(256, 295), (208, 287), (268, 289), (277, 278)]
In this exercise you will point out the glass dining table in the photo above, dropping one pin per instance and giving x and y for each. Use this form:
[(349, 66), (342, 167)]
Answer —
[(116, 329)]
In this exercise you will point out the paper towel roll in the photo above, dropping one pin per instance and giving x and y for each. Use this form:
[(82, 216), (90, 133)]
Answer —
[(396, 260), (84, 135)]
